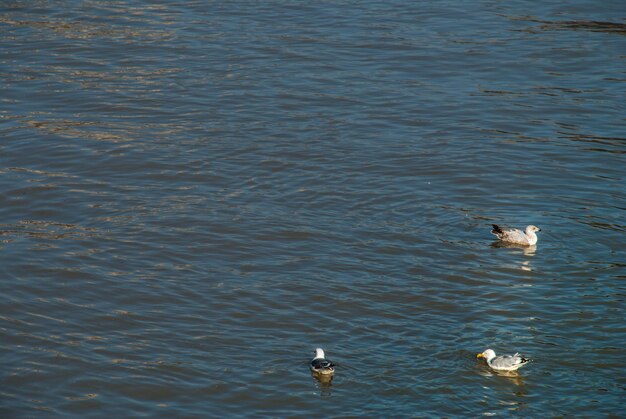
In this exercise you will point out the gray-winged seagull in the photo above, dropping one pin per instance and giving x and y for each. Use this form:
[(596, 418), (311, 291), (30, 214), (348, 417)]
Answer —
[(503, 362)]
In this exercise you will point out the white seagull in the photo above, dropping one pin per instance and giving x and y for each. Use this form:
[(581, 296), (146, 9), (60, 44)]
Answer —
[(503, 362), (514, 235), (321, 365)]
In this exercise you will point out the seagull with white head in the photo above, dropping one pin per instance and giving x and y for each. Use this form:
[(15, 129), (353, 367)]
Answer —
[(321, 365), (503, 362), (516, 236)]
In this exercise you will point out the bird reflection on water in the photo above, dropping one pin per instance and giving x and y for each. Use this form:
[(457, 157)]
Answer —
[(324, 383), (511, 376), (527, 250), (520, 392)]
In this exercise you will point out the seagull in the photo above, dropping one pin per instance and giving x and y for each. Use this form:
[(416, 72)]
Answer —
[(321, 365), (503, 362), (514, 235)]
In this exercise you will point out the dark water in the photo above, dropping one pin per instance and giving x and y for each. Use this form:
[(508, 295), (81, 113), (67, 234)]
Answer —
[(194, 195)]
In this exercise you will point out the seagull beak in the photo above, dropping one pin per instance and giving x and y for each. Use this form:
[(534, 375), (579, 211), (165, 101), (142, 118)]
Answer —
[(480, 356)]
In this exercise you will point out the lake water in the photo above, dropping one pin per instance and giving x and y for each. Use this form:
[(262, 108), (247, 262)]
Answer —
[(195, 195)]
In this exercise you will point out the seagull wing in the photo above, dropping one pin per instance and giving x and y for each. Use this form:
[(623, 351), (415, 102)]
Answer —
[(322, 364), (512, 235), (508, 362)]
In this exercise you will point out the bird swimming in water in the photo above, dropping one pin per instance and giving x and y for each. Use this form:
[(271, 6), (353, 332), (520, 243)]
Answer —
[(516, 236), (321, 365), (503, 362)]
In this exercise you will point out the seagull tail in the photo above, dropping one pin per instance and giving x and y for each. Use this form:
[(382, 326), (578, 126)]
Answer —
[(496, 229)]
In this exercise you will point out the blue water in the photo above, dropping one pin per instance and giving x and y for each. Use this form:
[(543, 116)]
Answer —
[(196, 195)]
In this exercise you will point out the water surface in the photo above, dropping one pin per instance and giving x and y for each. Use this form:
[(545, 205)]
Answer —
[(195, 195)]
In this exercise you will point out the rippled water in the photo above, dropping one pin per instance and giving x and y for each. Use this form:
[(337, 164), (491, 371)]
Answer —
[(194, 195)]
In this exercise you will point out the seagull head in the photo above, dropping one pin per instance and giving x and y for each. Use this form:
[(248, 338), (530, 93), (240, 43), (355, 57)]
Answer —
[(319, 353), (487, 354), (531, 229)]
